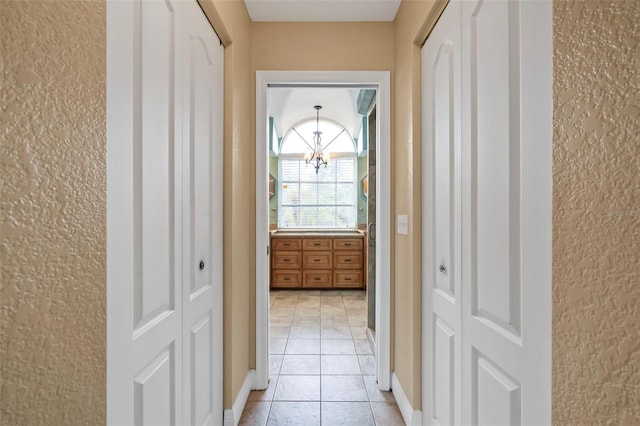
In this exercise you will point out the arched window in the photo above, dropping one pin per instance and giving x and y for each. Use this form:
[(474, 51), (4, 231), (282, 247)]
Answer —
[(335, 139), (322, 200)]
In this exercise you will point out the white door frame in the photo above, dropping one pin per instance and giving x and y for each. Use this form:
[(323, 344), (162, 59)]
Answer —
[(376, 79)]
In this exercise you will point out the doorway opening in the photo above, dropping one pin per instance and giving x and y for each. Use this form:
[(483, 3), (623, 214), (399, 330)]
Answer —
[(267, 184)]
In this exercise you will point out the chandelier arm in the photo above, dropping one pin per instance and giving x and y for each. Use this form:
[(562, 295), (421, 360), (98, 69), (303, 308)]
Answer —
[(303, 139)]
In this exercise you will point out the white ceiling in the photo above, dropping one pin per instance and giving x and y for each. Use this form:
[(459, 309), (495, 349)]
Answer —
[(322, 10), (291, 105)]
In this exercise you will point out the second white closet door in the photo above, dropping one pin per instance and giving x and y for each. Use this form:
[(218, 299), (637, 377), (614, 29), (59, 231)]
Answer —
[(487, 214), (202, 132)]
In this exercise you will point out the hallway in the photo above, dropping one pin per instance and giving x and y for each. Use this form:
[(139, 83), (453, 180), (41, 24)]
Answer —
[(321, 364)]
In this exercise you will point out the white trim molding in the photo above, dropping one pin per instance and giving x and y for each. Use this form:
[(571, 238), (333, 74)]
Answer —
[(232, 415), (410, 416), (381, 81)]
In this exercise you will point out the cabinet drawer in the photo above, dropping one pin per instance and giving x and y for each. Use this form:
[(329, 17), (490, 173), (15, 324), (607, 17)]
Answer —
[(286, 279), (316, 278), (347, 259), (347, 244), (286, 244), (316, 244), (285, 259), (347, 279), (317, 260)]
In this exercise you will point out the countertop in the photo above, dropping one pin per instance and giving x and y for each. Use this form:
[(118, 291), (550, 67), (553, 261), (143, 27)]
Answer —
[(302, 233)]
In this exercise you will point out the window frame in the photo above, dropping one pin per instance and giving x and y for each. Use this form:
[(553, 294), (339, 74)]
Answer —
[(354, 205)]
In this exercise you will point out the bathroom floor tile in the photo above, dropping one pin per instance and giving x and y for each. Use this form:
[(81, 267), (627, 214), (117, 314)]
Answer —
[(348, 414), (303, 347), (301, 364), (337, 347), (277, 346), (340, 364), (343, 388), (294, 413), (329, 332), (363, 347), (297, 388), (304, 332)]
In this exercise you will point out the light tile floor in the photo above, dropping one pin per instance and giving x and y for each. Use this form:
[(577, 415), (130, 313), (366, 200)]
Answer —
[(322, 369)]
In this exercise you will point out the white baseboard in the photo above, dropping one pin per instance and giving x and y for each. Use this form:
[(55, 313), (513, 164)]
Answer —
[(410, 416), (232, 415)]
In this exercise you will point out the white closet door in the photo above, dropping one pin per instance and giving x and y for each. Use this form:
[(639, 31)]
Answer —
[(144, 311), (487, 236), (202, 59), (442, 220), (164, 315), (507, 112)]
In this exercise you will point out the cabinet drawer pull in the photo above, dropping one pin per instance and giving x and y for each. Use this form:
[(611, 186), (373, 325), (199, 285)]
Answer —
[(317, 279), (347, 260), (316, 244), (287, 279), (347, 244), (316, 260), (347, 279), (286, 244), (286, 260)]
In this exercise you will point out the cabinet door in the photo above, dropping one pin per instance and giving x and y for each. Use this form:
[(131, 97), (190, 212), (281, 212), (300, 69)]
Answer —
[(285, 278), (316, 244), (317, 260), (316, 278), (279, 244), (286, 260), (347, 279), (347, 244), (347, 259)]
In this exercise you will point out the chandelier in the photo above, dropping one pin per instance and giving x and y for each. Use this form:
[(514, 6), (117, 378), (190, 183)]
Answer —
[(315, 155)]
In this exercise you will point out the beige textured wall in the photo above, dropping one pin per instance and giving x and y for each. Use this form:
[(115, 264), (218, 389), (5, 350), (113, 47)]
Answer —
[(406, 188), (336, 46), (52, 213), (596, 216), (231, 21)]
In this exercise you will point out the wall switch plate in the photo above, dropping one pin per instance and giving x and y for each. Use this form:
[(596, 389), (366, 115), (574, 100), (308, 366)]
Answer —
[(403, 224)]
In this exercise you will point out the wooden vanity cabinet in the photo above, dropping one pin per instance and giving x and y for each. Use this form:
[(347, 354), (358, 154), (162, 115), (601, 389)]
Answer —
[(312, 261)]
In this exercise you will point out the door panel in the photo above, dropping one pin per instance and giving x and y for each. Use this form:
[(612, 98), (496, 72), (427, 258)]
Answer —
[(442, 220), (153, 162), (154, 402), (444, 185), (498, 396), (202, 362), (156, 331), (445, 363), (506, 339), (202, 217), (495, 163)]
